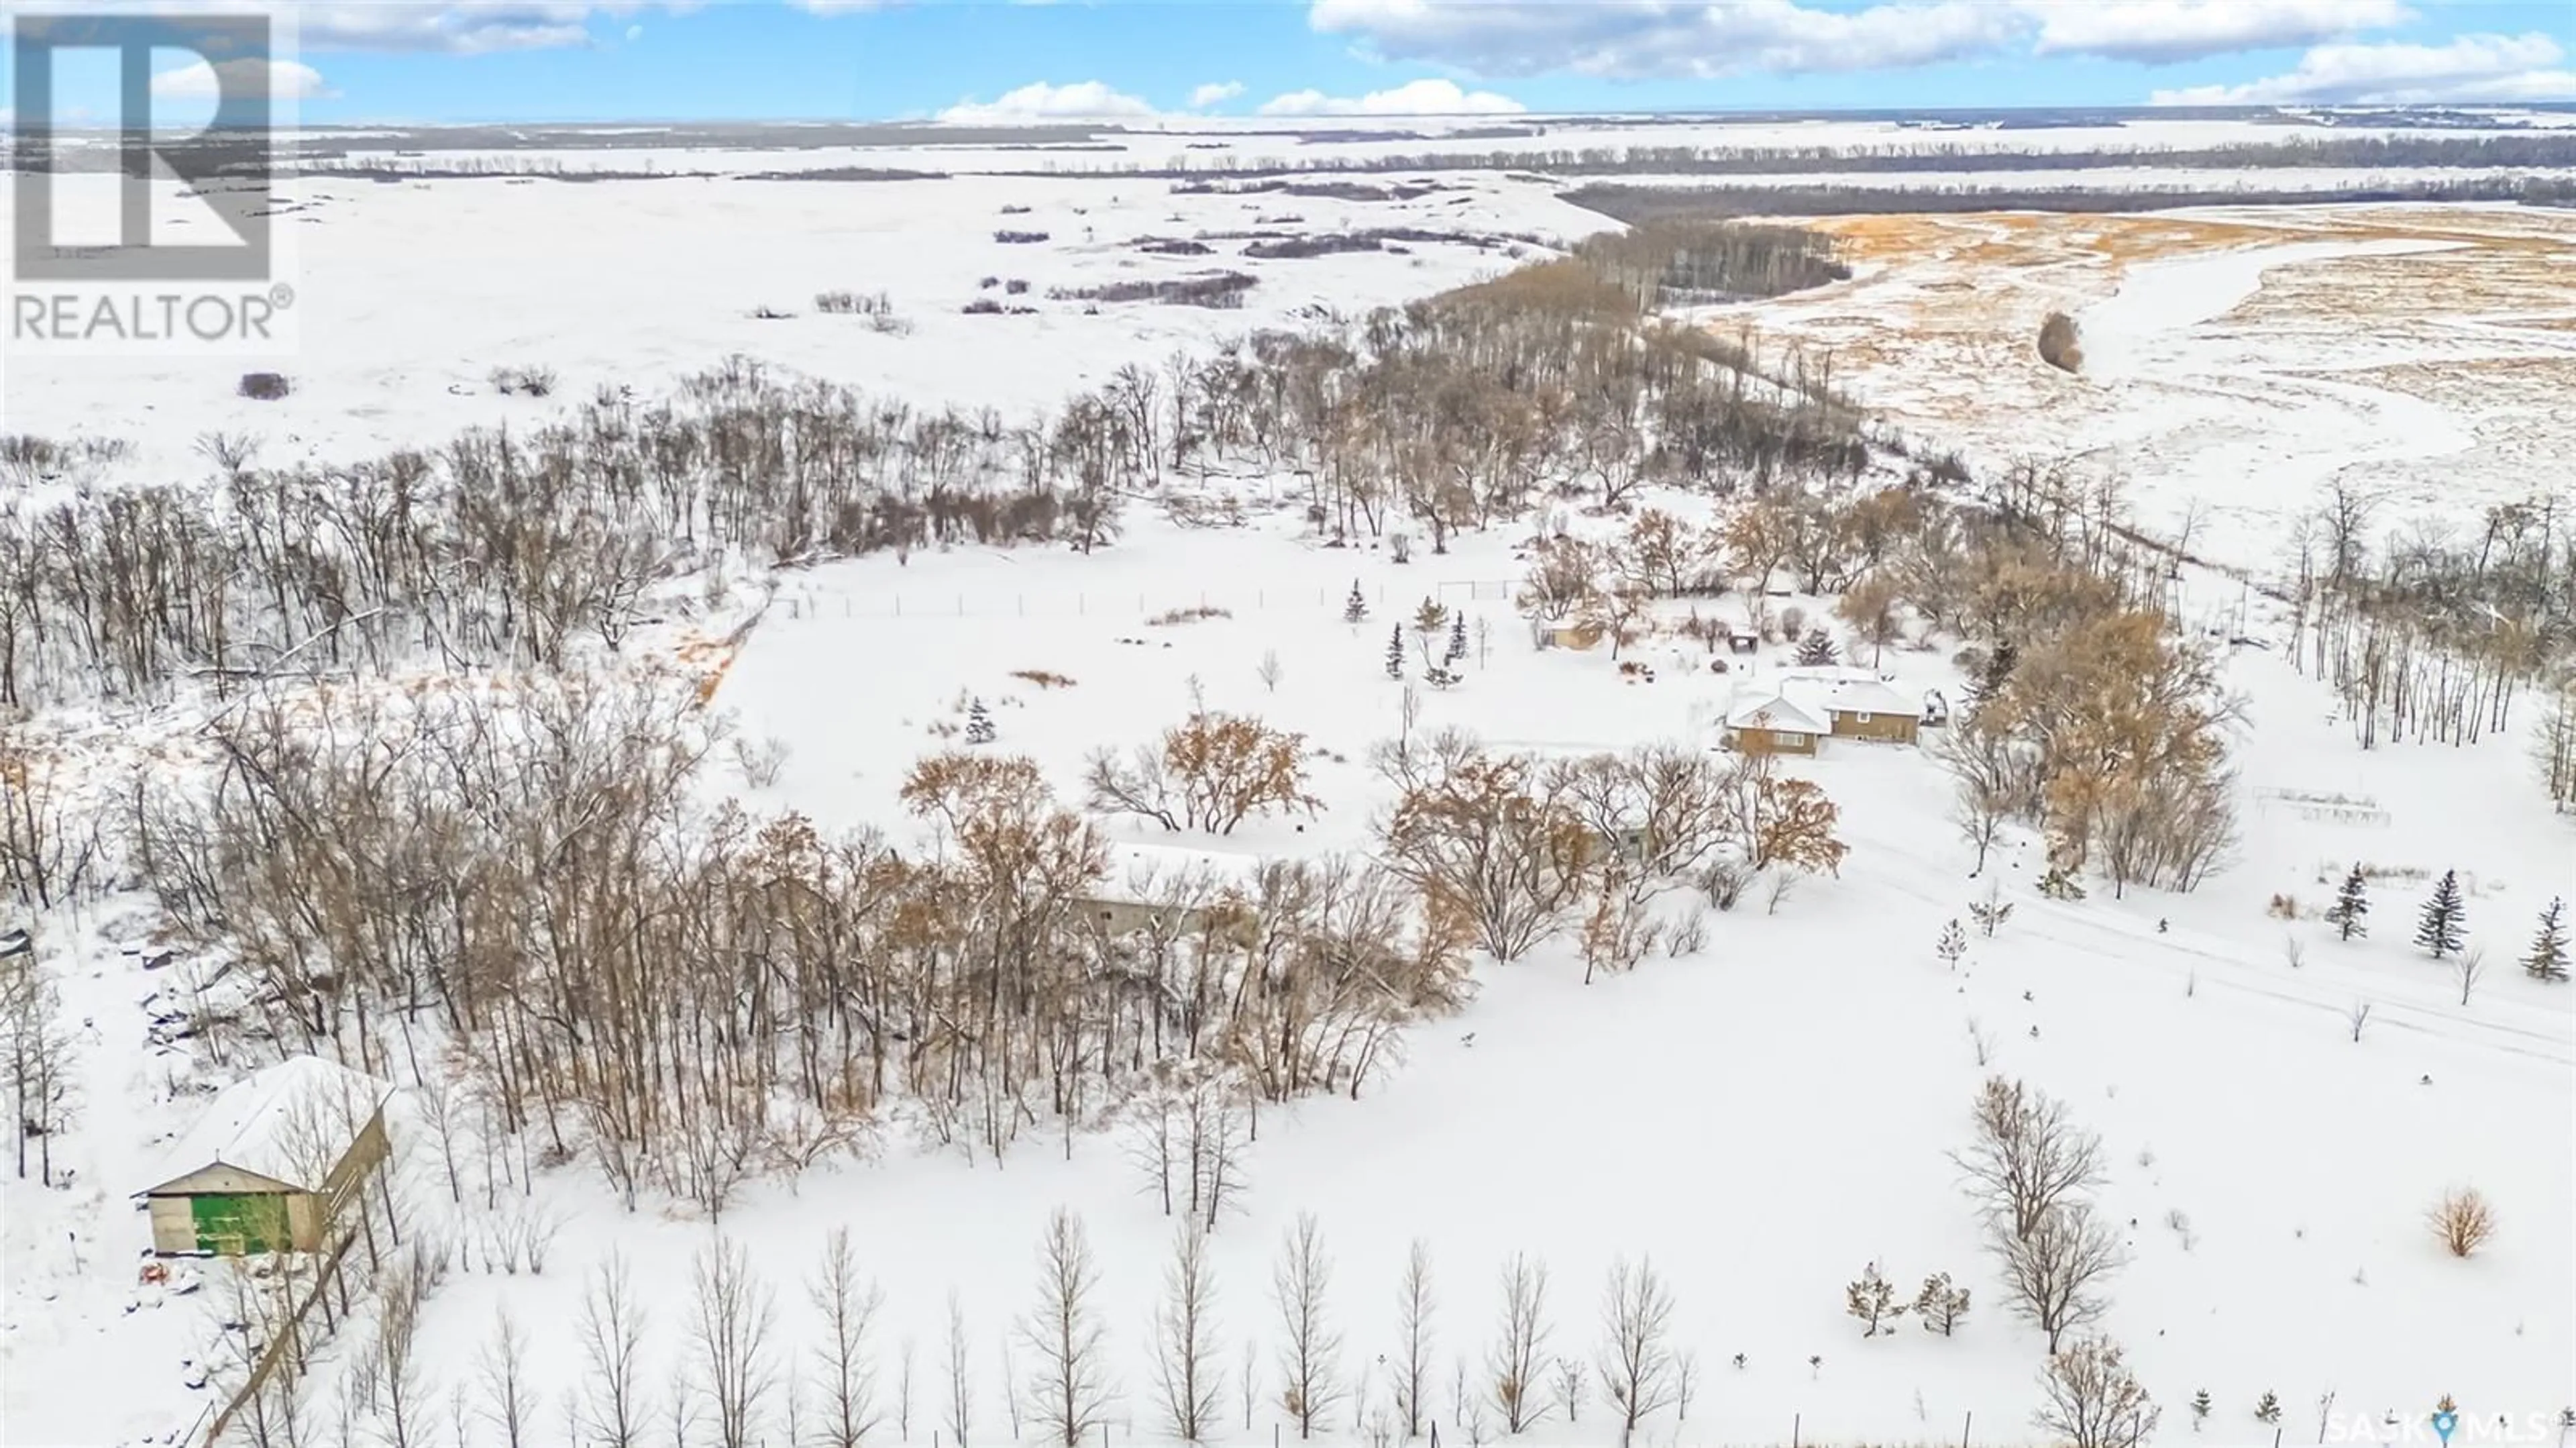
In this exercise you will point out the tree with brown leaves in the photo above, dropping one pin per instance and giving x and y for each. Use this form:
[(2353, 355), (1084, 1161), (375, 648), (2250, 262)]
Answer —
[(1212, 772)]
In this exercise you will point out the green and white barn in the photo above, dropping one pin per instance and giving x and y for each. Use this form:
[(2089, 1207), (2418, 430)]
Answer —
[(273, 1162)]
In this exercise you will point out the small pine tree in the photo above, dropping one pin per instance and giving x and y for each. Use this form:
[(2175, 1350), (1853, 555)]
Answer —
[(2352, 903), (1355, 609), (2268, 1410), (979, 724), (2059, 885), (1817, 649), (1395, 653), (1457, 651), (2548, 958), (1939, 1306), (2199, 1409), (1439, 676), (2444, 923), (1953, 944), (1429, 618), (1989, 914), (1873, 1301)]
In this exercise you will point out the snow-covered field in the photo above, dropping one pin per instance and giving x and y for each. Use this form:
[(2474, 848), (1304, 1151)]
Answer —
[(1763, 1118)]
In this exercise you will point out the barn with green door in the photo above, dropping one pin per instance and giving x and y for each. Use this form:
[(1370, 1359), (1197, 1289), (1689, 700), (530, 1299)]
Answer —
[(277, 1158)]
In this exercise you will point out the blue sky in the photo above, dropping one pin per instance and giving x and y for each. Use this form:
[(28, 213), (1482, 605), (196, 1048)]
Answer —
[(535, 60)]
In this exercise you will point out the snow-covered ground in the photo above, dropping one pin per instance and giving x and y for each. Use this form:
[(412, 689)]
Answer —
[(1761, 1119)]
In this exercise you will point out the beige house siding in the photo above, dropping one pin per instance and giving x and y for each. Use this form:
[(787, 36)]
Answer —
[(1884, 728), (1774, 741)]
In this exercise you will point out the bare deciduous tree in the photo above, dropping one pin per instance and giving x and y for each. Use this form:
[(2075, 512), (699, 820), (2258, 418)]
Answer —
[(735, 1315), (1070, 1384), (2093, 1400), (961, 1376), (1310, 1348), (509, 1404), (1185, 1350), (1520, 1344), (2028, 1155), (844, 1357), (2054, 1273), (1636, 1363), (1415, 1306)]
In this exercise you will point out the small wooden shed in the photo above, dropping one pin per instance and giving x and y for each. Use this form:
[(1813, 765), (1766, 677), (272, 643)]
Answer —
[(273, 1162)]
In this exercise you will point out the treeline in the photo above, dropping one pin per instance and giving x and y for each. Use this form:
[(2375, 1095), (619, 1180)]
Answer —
[(507, 895), (507, 548), (2433, 635), (1667, 263), (1639, 205), (2534, 150)]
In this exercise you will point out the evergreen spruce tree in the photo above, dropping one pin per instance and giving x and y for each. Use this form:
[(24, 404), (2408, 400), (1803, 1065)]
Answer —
[(1457, 651), (1816, 650), (1355, 610), (2352, 902), (2199, 1409), (1954, 943), (2445, 921), (1395, 653), (979, 724), (2548, 958)]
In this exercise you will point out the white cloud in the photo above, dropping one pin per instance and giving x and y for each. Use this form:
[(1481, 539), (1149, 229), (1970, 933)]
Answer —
[(1088, 100), (1711, 38), (634, 33), (1699, 38), (1415, 98), (2163, 32), (281, 79), (2466, 68), (1215, 93)]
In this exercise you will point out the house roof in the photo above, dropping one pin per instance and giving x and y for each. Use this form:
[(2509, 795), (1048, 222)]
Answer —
[(276, 1122), (1139, 872), (1774, 712), (1869, 697)]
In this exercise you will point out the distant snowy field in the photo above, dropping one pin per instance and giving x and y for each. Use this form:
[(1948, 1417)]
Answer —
[(1762, 1119)]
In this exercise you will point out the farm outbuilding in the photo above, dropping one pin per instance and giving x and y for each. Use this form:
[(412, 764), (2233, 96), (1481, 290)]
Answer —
[(275, 1160)]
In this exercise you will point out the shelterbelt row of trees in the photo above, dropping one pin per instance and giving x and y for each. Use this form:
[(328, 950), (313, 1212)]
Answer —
[(519, 546)]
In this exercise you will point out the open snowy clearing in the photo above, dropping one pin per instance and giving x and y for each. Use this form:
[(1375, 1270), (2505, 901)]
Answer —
[(2236, 364)]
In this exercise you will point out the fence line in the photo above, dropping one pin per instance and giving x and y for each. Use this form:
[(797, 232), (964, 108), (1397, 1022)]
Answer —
[(813, 604)]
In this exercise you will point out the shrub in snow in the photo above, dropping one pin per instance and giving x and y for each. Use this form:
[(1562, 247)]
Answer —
[(2057, 884), (2199, 1409), (263, 386), (1952, 945), (2463, 1220), (2547, 958), (2444, 923), (2268, 1408), (2060, 346), (1873, 1301)]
